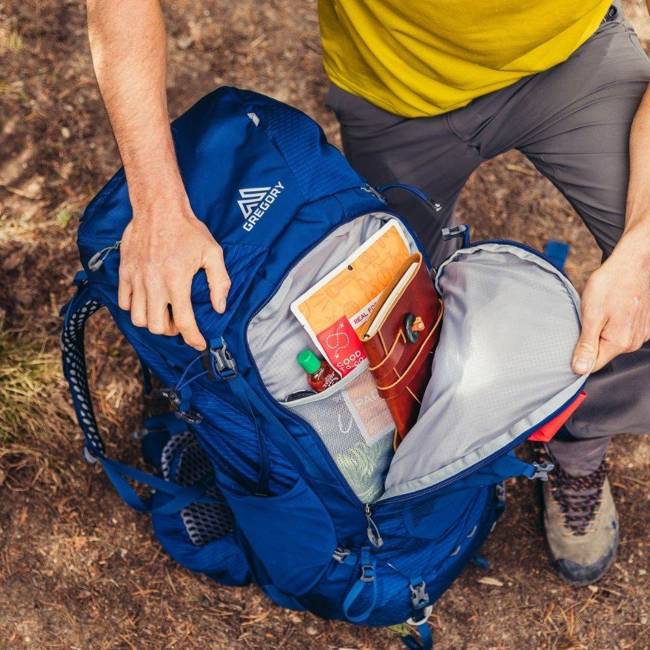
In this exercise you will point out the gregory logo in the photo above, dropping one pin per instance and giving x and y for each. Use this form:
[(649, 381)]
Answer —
[(255, 201)]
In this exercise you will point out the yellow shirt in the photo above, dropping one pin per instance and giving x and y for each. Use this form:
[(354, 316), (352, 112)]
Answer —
[(427, 57)]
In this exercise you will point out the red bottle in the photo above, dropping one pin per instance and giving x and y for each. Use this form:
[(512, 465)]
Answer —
[(320, 375)]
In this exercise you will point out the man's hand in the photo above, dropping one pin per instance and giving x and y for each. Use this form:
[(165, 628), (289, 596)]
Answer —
[(615, 306), (160, 254)]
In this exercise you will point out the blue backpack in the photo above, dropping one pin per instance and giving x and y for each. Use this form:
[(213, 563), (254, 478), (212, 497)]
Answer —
[(246, 487)]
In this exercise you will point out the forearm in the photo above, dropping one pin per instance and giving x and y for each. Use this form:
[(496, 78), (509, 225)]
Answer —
[(128, 45), (616, 299), (637, 221)]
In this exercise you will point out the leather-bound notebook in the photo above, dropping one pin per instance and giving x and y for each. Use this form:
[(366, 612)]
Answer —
[(400, 338)]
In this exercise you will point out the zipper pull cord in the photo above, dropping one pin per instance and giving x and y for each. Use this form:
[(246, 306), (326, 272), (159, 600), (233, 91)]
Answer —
[(97, 260), (373, 530)]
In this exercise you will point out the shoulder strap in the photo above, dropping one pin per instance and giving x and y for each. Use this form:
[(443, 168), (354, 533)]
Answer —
[(75, 316)]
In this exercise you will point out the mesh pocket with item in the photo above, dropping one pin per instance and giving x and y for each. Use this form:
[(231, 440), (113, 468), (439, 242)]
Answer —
[(356, 426)]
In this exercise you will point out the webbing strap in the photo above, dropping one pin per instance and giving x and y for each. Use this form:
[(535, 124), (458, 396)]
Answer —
[(423, 641), (367, 580), (76, 314), (416, 191)]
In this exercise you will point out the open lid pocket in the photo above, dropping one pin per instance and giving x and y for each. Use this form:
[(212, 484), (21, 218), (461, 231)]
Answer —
[(502, 365)]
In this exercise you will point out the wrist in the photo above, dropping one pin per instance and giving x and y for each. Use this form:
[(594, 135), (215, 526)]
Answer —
[(164, 197), (634, 245)]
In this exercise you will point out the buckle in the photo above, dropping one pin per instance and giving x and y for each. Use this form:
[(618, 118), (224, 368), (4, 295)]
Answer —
[(341, 554), (189, 416), (367, 573), (419, 595), (222, 362), (542, 471), (453, 231), (461, 231)]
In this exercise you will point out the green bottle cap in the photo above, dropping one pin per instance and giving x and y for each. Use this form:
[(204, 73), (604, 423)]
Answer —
[(309, 361)]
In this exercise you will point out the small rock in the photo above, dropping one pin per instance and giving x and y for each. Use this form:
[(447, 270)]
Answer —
[(492, 582), (184, 42), (642, 572), (33, 188), (24, 296), (312, 631), (65, 132), (593, 589)]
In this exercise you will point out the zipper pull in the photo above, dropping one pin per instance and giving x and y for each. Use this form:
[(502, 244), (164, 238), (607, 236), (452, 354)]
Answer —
[(373, 531), (97, 260)]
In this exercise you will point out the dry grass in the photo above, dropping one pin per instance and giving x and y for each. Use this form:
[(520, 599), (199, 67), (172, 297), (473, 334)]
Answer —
[(77, 569), (28, 372)]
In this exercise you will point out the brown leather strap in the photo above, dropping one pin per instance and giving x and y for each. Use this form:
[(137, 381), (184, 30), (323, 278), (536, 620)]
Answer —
[(413, 366)]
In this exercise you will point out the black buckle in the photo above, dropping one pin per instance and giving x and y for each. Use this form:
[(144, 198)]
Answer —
[(455, 231), (222, 363), (171, 394)]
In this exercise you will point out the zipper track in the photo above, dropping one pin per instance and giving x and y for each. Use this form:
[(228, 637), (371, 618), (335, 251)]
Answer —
[(520, 439)]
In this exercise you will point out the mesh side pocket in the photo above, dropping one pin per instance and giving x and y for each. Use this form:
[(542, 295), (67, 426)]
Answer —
[(356, 427), (184, 461)]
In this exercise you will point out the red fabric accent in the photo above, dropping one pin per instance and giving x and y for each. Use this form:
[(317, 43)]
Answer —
[(546, 432)]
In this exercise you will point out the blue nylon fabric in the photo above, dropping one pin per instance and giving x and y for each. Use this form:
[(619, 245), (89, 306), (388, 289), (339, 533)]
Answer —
[(284, 539)]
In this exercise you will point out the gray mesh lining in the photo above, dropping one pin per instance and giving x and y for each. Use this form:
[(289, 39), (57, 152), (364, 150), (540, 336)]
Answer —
[(502, 364), (204, 522)]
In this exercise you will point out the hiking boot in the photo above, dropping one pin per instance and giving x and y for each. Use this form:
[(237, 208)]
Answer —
[(581, 524)]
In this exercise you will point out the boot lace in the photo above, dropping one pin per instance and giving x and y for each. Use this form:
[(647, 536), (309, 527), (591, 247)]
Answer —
[(579, 497)]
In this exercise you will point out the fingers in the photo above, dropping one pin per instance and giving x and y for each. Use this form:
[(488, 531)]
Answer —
[(183, 314), (139, 304), (218, 279), (161, 311), (124, 291), (606, 352), (158, 316), (586, 350), (620, 335)]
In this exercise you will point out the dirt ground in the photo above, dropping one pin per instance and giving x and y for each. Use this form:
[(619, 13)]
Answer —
[(77, 568)]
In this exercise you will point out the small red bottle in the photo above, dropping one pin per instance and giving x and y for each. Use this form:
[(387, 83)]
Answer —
[(320, 375)]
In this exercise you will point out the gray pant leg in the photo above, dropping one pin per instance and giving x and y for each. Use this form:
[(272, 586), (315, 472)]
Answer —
[(386, 148), (573, 123)]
